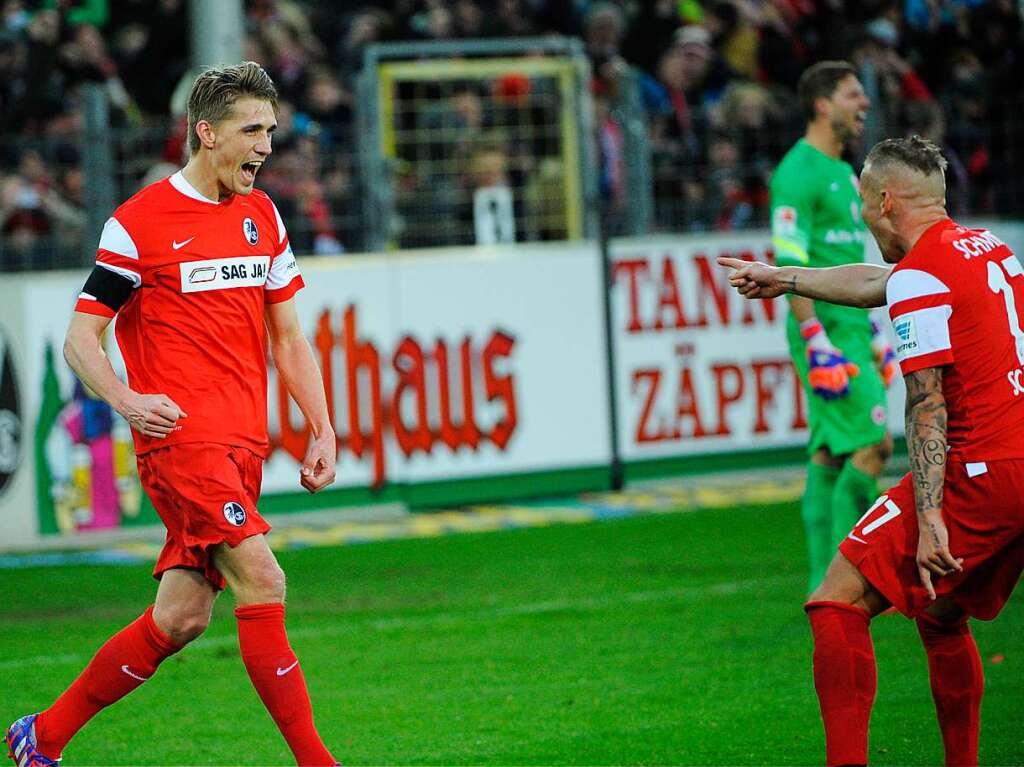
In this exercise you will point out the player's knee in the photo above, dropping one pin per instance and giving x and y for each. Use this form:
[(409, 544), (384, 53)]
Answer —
[(263, 585), (182, 625)]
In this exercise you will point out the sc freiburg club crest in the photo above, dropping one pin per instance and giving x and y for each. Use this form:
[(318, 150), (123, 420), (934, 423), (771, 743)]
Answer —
[(252, 234), (234, 513)]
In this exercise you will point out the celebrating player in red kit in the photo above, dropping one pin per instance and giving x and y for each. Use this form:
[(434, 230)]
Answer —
[(947, 542), (195, 267)]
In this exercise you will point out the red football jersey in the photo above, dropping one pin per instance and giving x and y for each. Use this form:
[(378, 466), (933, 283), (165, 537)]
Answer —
[(193, 327), (955, 301)]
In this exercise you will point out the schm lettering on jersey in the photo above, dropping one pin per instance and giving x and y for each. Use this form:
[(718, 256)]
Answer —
[(223, 273), (977, 245)]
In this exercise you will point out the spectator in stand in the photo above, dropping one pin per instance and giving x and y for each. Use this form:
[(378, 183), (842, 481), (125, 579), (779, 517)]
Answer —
[(514, 18), (603, 30), (729, 204), (368, 26), (734, 36), (150, 46), (969, 129), (889, 81), (86, 59), (611, 176), (469, 21), (951, 68), (650, 34)]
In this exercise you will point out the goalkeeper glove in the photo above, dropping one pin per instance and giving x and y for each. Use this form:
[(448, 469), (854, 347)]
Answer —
[(885, 358), (829, 372)]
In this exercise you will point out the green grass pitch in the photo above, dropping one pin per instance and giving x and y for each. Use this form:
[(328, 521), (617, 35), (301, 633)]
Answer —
[(669, 639)]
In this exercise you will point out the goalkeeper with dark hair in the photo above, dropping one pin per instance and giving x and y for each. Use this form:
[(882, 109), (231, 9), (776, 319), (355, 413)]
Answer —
[(843, 360)]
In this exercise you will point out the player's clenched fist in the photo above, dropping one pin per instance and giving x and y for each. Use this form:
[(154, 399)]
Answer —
[(318, 466), (155, 415)]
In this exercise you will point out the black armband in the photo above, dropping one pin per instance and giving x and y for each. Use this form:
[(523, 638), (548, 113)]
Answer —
[(109, 288)]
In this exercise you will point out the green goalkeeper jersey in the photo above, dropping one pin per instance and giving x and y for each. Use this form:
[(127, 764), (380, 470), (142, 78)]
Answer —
[(816, 218), (816, 222)]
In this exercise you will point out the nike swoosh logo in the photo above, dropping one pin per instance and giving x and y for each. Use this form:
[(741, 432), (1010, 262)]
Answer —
[(283, 671), (128, 671), (854, 537), (179, 245)]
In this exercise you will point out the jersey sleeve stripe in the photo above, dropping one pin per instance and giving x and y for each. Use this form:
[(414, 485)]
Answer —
[(106, 258), (914, 304), (135, 277), (282, 234), (283, 247), (787, 250), (89, 305), (283, 294), (905, 284), (933, 360), (115, 239)]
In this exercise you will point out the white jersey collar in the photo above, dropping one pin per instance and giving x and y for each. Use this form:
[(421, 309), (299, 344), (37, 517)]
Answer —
[(178, 182)]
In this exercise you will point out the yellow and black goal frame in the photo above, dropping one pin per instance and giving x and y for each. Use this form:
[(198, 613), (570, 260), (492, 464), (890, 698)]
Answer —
[(549, 75)]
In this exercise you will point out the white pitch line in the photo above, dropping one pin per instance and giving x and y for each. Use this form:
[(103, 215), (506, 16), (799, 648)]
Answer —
[(356, 622)]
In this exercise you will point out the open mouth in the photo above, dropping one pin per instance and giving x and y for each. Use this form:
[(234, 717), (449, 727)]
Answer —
[(249, 170)]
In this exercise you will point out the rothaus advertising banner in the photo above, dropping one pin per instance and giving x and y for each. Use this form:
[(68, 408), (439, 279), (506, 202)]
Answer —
[(699, 369), (440, 366)]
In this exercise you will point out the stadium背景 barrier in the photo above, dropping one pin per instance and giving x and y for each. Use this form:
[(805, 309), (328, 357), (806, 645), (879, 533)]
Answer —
[(454, 376)]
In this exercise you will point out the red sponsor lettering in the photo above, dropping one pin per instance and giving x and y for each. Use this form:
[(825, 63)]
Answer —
[(687, 407), (713, 284), (757, 388), (643, 434), (727, 393), (412, 378), (499, 387), (453, 434), (419, 412), (669, 298), (767, 377), (658, 301), (632, 268)]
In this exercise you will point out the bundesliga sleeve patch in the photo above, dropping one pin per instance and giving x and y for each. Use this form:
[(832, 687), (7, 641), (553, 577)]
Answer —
[(784, 221), (922, 338), (906, 336)]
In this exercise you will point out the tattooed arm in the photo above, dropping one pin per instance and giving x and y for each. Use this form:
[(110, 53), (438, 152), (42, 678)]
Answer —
[(860, 285), (926, 446)]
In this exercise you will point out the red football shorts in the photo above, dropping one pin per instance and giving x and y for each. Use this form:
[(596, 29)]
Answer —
[(206, 495), (983, 507)]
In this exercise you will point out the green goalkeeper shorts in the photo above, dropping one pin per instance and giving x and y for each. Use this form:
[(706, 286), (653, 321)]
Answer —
[(859, 419)]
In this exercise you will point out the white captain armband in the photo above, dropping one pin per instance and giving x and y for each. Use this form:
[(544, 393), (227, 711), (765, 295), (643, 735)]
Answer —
[(108, 288)]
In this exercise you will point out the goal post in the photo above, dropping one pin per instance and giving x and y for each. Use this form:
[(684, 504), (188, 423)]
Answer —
[(477, 142)]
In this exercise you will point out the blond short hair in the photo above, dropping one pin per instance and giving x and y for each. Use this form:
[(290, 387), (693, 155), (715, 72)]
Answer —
[(216, 90)]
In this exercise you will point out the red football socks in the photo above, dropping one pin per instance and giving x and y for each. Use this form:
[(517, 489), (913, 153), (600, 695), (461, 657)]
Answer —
[(958, 681), (844, 678), (127, 660), (277, 677)]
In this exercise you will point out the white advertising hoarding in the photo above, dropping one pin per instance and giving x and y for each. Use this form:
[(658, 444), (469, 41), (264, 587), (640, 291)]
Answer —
[(699, 369), (441, 366)]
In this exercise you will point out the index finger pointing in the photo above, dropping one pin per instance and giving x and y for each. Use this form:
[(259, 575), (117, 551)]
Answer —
[(732, 263)]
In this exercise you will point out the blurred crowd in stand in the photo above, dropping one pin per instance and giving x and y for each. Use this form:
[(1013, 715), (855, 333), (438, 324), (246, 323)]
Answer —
[(716, 77)]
